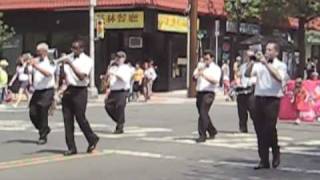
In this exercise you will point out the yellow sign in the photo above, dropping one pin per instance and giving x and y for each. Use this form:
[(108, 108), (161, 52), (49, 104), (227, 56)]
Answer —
[(122, 20), (173, 23)]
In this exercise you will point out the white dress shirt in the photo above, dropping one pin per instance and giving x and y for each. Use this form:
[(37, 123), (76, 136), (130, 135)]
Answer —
[(246, 81), (267, 85), (150, 73), (40, 81), (120, 77), (212, 71), (84, 64)]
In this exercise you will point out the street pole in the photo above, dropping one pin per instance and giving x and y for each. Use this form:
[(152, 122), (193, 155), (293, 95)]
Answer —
[(188, 52), (93, 92), (217, 33), (193, 46)]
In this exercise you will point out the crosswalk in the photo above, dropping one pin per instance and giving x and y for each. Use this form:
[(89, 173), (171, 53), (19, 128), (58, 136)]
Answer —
[(164, 135)]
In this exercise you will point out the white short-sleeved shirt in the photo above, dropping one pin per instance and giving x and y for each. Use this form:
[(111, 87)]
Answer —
[(22, 75), (267, 85), (213, 71), (246, 81), (150, 73), (121, 78), (226, 72), (40, 81), (84, 64)]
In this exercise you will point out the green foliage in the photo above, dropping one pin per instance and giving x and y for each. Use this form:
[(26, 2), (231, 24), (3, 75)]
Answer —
[(272, 11), (5, 32)]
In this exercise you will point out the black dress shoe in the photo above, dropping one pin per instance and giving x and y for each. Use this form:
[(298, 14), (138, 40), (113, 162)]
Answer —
[(201, 140), (276, 159), (42, 141), (262, 166), (118, 131), (92, 146), (212, 135), (69, 153)]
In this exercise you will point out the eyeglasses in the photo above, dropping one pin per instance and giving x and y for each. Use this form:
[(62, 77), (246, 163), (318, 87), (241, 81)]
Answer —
[(75, 47)]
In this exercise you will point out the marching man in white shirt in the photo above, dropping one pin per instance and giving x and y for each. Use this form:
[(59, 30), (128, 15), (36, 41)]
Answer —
[(115, 104), (43, 82), (207, 74), (74, 102), (271, 74)]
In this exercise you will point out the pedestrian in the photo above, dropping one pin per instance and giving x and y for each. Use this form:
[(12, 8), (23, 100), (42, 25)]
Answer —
[(271, 75), (3, 79), (115, 104), (77, 70), (245, 93), (137, 81), (226, 79), (42, 98), (150, 76), (207, 75), (24, 78)]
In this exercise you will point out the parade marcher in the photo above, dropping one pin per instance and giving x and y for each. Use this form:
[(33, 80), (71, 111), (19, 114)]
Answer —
[(115, 104), (3, 79), (42, 98), (271, 74), (207, 74), (245, 93), (77, 70)]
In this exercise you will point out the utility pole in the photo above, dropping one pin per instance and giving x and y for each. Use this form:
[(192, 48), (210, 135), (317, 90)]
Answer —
[(193, 46), (93, 92)]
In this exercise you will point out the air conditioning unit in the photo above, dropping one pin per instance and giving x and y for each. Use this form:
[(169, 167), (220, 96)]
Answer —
[(135, 42)]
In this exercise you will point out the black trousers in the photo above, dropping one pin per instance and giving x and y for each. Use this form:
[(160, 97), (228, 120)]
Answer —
[(74, 105), (115, 106), (38, 110), (267, 109), (204, 102), (246, 105)]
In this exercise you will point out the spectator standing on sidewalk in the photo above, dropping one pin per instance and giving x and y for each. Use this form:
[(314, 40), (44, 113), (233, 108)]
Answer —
[(3, 79), (149, 76), (137, 81)]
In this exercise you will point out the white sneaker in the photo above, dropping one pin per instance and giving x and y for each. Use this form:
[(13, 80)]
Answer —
[(297, 122)]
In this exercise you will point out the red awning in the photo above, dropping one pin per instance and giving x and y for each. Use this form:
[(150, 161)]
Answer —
[(215, 7)]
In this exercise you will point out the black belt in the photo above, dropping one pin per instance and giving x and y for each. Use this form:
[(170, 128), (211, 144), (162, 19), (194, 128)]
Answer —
[(120, 90), (42, 90), (205, 92), (77, 87)]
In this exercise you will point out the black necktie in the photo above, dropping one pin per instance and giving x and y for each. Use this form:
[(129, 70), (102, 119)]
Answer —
[(75, 56)]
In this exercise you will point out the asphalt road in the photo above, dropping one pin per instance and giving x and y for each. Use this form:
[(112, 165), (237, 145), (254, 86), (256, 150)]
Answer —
[(158, 144)]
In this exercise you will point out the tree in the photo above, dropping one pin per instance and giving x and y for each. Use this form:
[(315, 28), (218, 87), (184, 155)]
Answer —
[(275, 12), (5, 32)]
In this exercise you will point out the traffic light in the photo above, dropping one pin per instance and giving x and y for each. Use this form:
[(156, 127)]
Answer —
[(100, 28)]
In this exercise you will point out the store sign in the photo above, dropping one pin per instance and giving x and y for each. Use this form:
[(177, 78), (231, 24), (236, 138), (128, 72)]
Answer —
[(121, 20), (245, 28), (172, 23)]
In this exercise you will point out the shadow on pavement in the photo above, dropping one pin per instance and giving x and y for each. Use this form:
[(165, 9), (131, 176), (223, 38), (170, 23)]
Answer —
[(22, 141)]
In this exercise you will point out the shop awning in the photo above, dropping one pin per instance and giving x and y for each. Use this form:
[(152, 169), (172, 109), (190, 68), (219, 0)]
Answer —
[(313, 37), (215, 7)]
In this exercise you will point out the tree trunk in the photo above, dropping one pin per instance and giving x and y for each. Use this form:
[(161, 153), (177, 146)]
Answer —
[(302, 47)]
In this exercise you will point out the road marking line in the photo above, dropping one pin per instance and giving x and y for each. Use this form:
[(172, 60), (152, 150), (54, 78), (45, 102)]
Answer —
[(251, 165), (60, 158)]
